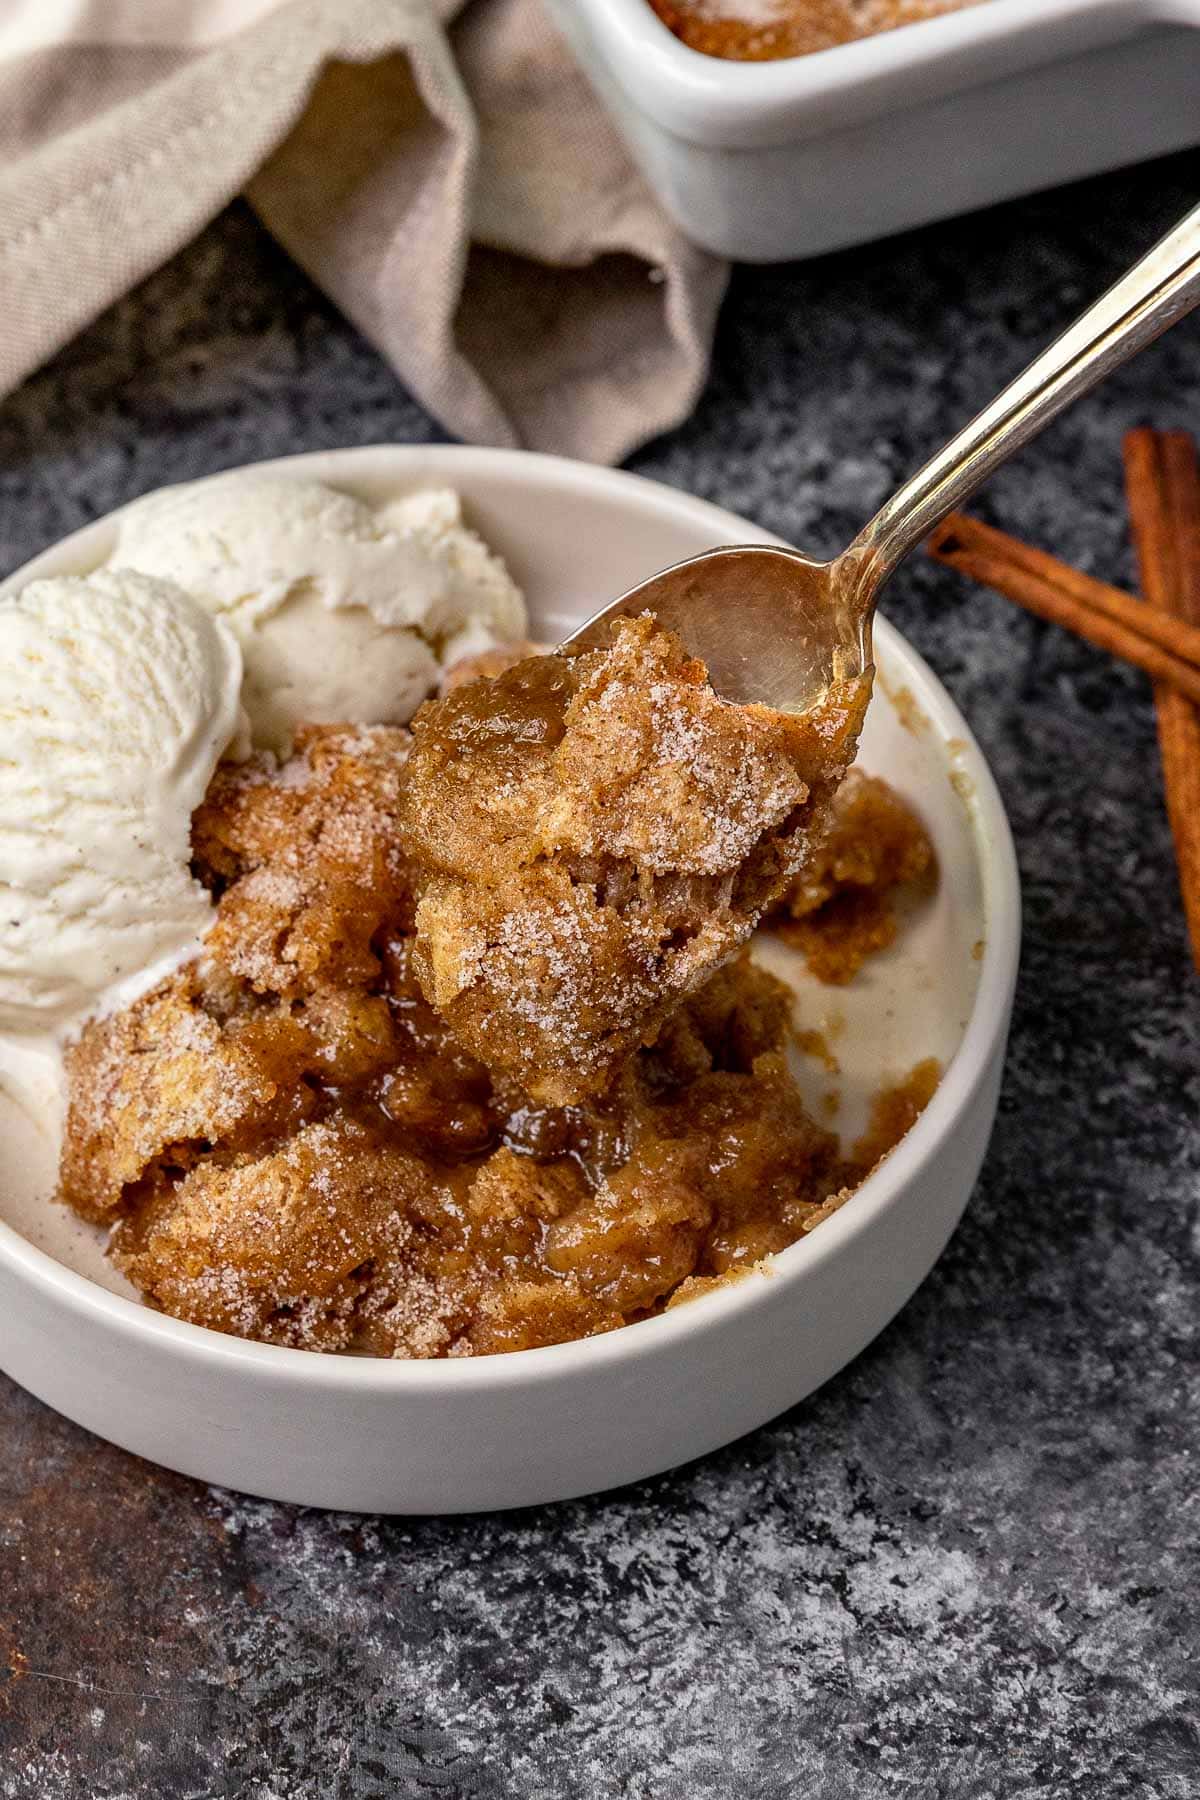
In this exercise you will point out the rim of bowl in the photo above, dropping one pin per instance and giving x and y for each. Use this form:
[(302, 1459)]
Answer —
[(985, 1029)]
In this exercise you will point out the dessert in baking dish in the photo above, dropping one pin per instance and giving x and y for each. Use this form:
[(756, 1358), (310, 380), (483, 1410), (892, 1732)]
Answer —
[(762, 30)]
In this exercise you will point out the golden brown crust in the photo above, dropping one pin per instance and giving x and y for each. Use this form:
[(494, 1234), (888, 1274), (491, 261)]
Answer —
[(307, 860), (152, 1088), (280, 1247)]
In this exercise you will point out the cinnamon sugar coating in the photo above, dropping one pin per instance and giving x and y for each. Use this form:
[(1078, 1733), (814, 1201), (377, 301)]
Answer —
[(307, 862), (591, 836), (282, 1245)]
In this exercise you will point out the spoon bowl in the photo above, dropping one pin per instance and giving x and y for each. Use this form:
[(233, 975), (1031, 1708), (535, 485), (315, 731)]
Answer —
[(767, 622)]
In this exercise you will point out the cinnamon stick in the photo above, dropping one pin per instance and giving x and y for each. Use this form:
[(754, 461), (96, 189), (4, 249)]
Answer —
[(1162, 483), (1166, 646)]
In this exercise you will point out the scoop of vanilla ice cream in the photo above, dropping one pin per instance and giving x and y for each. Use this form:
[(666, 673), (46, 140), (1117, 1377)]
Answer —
[(343, 611), (118, 697)]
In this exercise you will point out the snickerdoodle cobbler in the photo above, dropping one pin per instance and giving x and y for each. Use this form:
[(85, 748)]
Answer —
[(476, 1058)]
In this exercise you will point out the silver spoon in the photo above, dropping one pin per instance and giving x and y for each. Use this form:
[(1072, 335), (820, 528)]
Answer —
[(778, 627)]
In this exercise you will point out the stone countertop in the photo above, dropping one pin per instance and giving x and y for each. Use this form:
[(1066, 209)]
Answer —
[(968, 1566)]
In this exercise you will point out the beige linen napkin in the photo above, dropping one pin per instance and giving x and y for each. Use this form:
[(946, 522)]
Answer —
[(451, 183)]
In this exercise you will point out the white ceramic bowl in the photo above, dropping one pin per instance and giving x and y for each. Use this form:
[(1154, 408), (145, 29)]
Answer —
[(546, 1424), (762, 161)]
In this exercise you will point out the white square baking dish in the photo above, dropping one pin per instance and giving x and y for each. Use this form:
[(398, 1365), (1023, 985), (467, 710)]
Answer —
[(763, 161)]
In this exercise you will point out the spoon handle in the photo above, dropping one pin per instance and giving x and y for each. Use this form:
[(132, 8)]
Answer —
[(1157, 291)]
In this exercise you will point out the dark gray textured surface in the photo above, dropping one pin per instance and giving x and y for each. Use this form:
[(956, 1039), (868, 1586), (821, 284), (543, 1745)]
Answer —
[(968, 1567)]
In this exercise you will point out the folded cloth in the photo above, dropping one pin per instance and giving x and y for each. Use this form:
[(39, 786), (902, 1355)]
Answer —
[(447, 177)]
